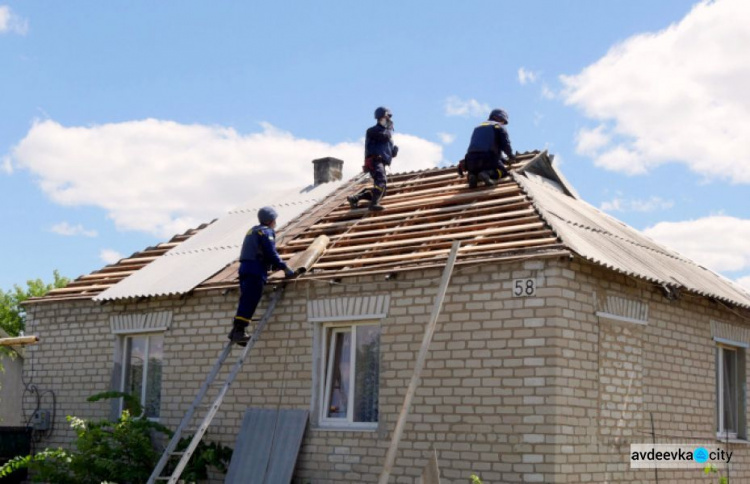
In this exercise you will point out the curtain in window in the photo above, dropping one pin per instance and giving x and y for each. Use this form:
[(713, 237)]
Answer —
[(367, 377), (339, 397)]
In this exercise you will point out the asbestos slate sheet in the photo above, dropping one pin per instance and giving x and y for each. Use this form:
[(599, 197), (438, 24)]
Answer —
[(267, 446)]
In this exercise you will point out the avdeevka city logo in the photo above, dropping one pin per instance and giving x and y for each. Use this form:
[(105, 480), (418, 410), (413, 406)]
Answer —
[(675, 456), (700, 455)]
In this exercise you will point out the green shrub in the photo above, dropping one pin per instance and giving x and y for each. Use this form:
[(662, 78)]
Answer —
[(118, 452)]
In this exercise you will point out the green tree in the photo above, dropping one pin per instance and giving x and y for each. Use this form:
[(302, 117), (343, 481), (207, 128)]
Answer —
[(12, 313)]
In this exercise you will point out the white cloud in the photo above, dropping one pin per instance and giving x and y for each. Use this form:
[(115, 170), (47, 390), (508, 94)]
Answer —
[(10, 22), (164, 177), (64, 228), (7, 166), (446, 138), (454, 106), (526, 76), (590, 141), (548, 93), (619, 204), (110, 256), (718, 242), (678, 95)]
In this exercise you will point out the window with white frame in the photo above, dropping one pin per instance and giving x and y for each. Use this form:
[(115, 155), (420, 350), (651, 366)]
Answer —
[(730, 375), (142, 358), (351, 375)]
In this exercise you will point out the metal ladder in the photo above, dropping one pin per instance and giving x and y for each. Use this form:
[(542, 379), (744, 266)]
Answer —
[(185, 455)]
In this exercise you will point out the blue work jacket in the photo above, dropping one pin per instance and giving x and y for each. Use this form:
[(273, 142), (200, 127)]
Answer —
[(379, 142), (490, 137), (259, 255)]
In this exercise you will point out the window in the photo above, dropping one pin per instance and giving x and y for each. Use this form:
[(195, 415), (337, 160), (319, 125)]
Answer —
[(141, 370), (730, 377), (351, 375)]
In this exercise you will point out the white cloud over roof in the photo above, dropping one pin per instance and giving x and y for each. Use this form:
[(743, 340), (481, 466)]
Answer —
[(678, 95), (699, 240), (163, 177)]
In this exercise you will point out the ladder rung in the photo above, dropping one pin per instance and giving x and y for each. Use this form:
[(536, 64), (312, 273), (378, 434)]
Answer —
[(176, 453)]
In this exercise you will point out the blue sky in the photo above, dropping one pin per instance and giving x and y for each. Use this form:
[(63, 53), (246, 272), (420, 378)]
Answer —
[(125, 123)]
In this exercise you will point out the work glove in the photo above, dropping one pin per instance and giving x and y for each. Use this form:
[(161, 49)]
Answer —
[(394, 151), (289, 273), (461, 168)]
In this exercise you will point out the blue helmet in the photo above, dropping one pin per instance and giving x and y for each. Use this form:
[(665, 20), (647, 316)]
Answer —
[(382, 112), (499, 115), (266, 215)]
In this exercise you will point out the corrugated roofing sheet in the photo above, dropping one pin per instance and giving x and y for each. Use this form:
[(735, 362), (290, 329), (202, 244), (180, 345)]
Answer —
[(87, 286), (602, 239), (212, 249)]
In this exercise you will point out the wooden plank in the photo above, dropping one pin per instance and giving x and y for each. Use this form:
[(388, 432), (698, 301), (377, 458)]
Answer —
[(494, 215), (522, 243), (441, 200), (475, 256), (357, 257), (457, 226), (19, 341), (432, 238), (388, 217), (390, 456)]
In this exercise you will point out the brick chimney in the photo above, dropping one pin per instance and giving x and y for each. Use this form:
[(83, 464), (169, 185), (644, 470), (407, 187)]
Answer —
[(327, 170)]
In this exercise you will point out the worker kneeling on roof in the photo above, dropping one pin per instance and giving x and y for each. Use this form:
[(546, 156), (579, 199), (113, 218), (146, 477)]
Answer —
[(258, 256), (379, 151), (484, 158)]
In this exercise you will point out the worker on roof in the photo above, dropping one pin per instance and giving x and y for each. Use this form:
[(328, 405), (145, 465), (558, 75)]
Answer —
[(258, 256), (484, 158), (379, 151)]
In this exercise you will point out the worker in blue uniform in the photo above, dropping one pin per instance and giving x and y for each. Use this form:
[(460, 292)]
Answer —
[(379, 151), (257, 258), (484, 158)]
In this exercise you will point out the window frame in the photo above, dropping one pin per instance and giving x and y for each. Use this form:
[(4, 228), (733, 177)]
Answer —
[(327, 347), (739, 388), (126, 339)]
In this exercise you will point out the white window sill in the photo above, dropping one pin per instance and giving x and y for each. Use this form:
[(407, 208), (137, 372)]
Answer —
[(733, 440), (346, 428)]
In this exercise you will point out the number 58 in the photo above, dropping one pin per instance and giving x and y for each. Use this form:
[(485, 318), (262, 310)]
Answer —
[(524, 287)]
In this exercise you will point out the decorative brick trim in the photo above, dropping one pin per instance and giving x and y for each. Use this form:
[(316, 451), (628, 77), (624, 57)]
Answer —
[(141, 322), (348, 308), (622, 309), (730, 334)]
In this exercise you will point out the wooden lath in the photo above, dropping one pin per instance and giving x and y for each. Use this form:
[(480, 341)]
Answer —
[(425, 213)]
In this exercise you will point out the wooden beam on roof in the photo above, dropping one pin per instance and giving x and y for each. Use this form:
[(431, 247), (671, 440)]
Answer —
[(474, 195), (494, 219), (387, 217), (418, 255)]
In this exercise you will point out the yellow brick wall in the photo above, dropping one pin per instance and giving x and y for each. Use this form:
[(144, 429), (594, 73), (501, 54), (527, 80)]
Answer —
[(532, 389)]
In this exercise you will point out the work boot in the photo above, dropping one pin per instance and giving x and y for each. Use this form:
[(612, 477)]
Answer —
[(487, 179), (472, 180), (375, 206), (239, 334), (353, 201)]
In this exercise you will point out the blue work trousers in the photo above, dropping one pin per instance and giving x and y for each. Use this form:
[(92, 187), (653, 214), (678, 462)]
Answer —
[(251, 290)]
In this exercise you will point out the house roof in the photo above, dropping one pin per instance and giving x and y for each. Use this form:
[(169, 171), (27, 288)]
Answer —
[(535, 213), (606, 241), (88, 286), (185, 266)]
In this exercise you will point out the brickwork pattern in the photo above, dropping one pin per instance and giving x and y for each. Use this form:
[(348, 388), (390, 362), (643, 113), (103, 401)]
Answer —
[(533, 389)]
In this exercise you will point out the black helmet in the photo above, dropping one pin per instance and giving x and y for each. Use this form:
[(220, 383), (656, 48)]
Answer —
[(266, 215), (499, 115), (382, 112)]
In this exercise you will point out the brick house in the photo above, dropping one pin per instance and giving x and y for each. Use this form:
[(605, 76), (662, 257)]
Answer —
[(565, 336)]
